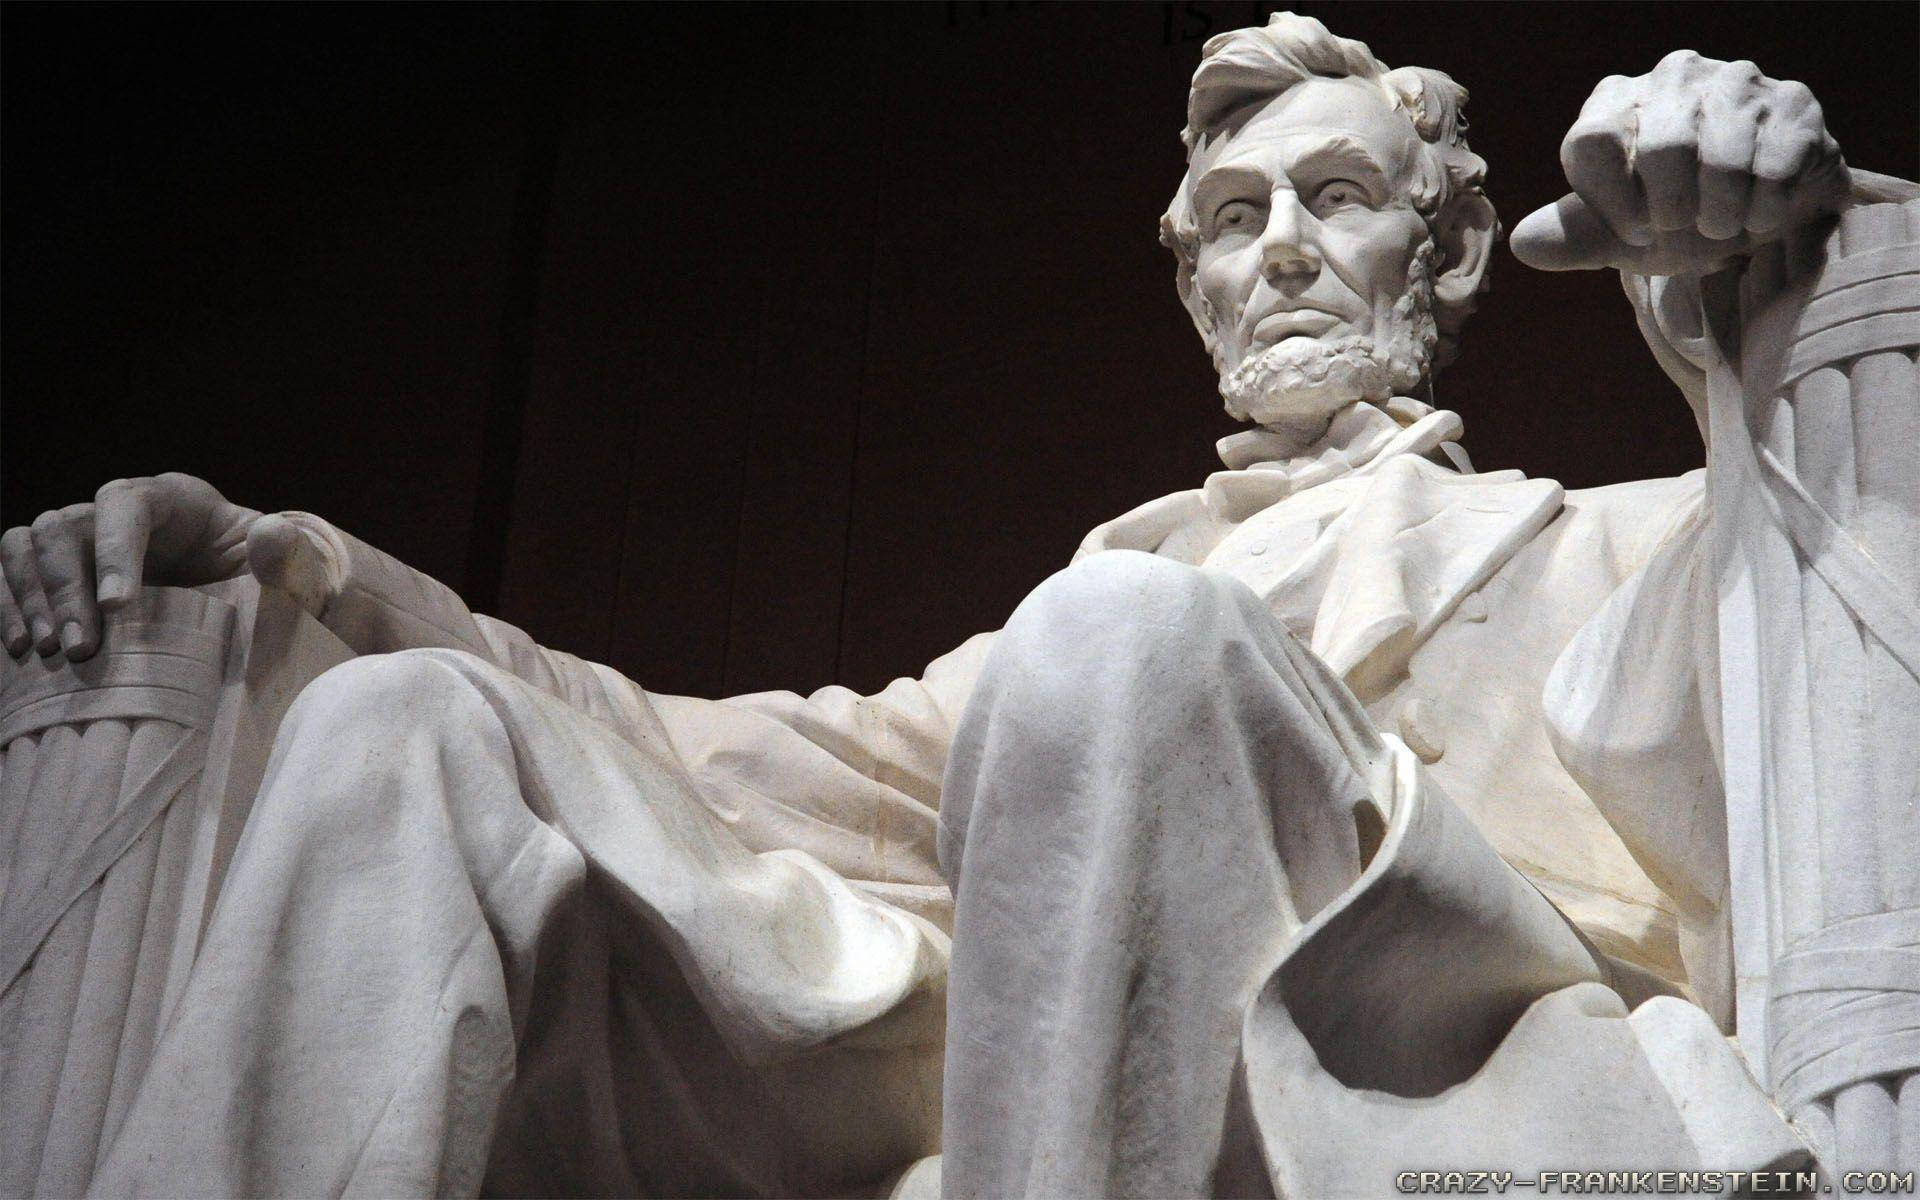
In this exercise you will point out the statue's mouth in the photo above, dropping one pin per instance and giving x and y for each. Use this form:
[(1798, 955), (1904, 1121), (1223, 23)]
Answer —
[(1293, 322)]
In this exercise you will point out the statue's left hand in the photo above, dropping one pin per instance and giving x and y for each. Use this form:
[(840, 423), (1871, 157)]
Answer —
[(1684, 170), (59, 574)]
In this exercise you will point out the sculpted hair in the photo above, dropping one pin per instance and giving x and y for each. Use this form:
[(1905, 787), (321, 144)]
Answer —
[(1248, 67)]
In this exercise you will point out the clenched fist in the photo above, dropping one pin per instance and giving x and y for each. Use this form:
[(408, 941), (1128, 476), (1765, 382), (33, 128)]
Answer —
[(72, 562), (1685, 169)]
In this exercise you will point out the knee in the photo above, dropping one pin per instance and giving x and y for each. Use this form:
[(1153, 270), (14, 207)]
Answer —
[(378, 699), (1116, 629), (367, 746), (398, 758), (1122, 603)]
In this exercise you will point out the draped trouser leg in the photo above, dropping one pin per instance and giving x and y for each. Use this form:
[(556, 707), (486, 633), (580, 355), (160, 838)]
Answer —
[(420, 978), (1153, 786), (349, 1025)]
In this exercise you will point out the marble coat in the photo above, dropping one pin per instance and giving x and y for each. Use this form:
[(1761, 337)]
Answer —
[(1441, 597)]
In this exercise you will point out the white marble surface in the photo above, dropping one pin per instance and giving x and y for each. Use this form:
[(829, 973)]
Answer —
[(1352, 812)]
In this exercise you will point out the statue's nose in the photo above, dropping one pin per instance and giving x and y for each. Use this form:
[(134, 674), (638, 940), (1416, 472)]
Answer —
[(1287, 250)]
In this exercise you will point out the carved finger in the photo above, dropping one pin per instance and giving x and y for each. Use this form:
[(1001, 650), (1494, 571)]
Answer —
[(1729, 116), (1667, 164), (1792, 104), (1597, 158), (197, 534), (1724, 196), (1786, 152), (1776, 155), (13, 626), (1566, 236), (1767, 207), (123, 524), (16, 552), (1791, 154), (1683, 65), (282, 556), (63, 550)]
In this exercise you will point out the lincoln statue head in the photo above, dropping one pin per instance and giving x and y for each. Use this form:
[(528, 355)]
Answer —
[(1331, 229)]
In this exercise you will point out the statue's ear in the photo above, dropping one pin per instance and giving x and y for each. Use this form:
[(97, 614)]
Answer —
[(1195, 304), (1466, 231), (1187, 252), (1184, 251)]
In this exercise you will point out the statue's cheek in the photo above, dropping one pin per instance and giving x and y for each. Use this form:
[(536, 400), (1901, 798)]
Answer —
[(1225, 279)]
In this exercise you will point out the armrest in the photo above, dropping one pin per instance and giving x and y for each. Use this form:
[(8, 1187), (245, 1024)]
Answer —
[(124, 783)]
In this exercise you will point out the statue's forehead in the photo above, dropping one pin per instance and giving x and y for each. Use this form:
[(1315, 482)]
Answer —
[(1318, 111)]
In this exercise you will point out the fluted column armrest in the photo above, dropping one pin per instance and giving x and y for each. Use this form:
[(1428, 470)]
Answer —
[(125, 781)]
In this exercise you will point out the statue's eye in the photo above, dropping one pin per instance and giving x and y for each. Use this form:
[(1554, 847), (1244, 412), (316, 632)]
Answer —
[(1237, 216), (1336, 194)]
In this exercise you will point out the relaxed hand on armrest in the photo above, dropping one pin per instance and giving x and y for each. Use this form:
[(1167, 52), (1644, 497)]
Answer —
[(73, 562)]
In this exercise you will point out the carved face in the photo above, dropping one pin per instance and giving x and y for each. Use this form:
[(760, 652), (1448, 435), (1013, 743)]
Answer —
[(1312, 261)]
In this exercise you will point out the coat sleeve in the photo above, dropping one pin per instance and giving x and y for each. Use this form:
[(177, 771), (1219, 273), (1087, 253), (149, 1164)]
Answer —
[(852, 780)]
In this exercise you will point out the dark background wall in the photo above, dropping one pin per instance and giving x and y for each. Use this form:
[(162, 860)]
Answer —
[(741, 347)]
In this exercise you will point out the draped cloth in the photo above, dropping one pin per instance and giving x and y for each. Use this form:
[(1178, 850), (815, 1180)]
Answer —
[(468, 934), (500, 916), (1362, 543), (1812, 409), (93, 890), (124, 781), (1215, 934), (1384, 553)]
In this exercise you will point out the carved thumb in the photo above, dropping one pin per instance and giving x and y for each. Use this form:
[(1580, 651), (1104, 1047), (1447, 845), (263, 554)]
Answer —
[(283, 556), (1569, 236), (1566, 236)]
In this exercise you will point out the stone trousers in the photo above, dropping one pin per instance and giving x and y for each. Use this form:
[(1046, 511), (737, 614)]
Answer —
[(1153, 787), (1212, 936), (1216, 935), (470, 937)]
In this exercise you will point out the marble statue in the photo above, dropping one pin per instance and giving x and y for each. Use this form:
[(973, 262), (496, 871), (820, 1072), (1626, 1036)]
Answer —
[(1354, 813)]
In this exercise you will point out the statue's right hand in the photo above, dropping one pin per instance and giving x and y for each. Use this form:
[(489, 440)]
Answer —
[(72, 562)]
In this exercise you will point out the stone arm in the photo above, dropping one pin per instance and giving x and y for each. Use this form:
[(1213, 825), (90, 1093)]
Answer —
[(774, 743), (853, 780), (1776, 288), (376, 604), (128, 772), (73, 568)]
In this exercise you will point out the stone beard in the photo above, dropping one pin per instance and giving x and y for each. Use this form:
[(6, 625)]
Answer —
[(1306, 378)]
